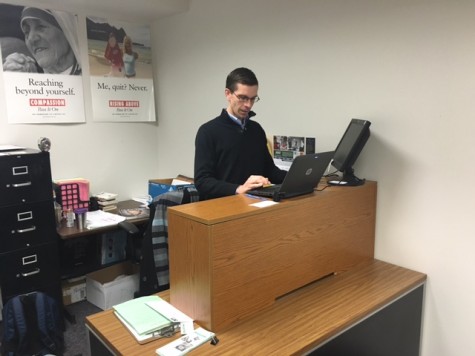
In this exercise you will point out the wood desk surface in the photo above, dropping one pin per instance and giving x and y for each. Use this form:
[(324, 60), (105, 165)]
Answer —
[(296, 323), (215, 211)]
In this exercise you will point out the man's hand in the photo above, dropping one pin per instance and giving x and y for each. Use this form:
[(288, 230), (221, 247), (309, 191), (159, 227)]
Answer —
[(251, 183), (18, 62)]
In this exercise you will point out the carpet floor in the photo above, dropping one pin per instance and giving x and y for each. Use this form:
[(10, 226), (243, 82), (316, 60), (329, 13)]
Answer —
[(75, 336)]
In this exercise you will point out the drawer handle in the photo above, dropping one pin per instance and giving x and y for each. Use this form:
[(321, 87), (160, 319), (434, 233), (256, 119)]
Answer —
[(21, 231), (29, 259), (26, 215), (19, 185), (20, 170), (27, 274)]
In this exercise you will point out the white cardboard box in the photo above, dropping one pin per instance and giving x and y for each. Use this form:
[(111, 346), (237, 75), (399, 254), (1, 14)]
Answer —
[(112, 285)]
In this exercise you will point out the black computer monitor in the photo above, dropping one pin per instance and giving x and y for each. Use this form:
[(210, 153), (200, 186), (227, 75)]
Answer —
[(348, 150)]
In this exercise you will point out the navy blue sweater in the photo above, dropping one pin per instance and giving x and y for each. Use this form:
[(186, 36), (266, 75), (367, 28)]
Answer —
[(226, 155)]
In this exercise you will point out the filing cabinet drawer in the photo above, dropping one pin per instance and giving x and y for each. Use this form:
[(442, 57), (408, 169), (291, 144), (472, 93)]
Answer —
[(25, 178), (27, 225), (29, 269), (53, 290)]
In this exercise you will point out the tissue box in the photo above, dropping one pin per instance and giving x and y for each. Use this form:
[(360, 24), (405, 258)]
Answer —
[(112, 285), (160, 186)]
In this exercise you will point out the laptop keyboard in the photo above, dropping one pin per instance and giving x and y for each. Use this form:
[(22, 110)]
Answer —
[(265, 191)]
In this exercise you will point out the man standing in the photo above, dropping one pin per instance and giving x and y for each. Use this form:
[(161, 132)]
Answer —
[(231, 154)]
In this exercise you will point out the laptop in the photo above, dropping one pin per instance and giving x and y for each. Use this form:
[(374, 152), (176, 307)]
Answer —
[(303, 176)]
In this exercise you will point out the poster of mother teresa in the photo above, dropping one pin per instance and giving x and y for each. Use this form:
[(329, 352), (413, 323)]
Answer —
[(39, 40), (42, 72)]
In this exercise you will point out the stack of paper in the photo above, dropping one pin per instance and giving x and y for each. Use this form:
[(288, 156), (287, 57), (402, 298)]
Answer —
[(99, 218)]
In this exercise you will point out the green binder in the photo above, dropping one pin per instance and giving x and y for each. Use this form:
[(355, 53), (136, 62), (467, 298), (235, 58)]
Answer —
[(142, 318)]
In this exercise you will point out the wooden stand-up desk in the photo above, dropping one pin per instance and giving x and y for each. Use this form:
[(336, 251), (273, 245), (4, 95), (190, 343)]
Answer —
[(229, 259)]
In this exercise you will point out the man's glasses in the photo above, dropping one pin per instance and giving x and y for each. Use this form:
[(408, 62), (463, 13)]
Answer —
[(245, 99)]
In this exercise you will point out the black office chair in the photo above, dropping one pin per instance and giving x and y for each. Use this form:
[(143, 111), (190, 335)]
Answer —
[(150, 249)]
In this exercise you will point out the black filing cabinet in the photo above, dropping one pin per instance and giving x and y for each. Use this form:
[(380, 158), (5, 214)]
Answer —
[(29, 259)]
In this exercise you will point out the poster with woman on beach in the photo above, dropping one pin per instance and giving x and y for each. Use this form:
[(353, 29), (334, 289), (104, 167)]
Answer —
[(120, 68)]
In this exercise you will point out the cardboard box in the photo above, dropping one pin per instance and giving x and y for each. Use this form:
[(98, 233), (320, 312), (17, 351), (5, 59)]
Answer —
[(112, 285), (160, 186), (74, 290)]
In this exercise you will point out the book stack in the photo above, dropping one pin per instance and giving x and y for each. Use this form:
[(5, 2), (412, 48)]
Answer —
[(107, 201)]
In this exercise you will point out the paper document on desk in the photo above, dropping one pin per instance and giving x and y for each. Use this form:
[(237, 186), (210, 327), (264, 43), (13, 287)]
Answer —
[(99, 218), (264, 204), (186, 343)]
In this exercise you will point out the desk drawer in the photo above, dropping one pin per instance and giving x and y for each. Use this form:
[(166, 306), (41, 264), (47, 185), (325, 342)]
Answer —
[(26, 177), (27, 225), (29, 269)]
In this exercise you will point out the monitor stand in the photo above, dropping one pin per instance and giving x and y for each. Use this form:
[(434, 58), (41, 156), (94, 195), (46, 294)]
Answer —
[(347, 180)]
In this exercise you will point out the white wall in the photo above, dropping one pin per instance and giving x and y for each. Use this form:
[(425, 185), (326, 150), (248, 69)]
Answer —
[(408, 66)]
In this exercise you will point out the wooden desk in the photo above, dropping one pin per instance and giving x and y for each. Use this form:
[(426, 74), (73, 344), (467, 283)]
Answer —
[(229, 259), (373, 309), (80, 250), (66, 233)]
